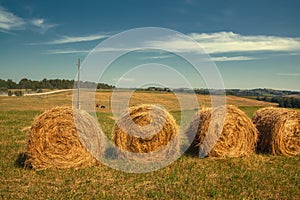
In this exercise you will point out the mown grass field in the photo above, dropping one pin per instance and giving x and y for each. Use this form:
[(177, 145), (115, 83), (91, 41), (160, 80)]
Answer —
[(256, 177)]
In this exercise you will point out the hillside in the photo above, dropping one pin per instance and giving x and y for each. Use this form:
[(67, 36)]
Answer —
[(166, 99), (258, 176)]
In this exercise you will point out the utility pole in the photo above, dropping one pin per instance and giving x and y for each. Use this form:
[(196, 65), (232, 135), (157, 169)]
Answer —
[(78, 85), (109, 100)]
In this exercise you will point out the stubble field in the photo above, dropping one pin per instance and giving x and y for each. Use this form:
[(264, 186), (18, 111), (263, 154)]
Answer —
[(255, 177)]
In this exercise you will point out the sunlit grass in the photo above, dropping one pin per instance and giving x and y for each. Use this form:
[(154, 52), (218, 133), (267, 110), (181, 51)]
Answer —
[(255, 177), (259, 176)]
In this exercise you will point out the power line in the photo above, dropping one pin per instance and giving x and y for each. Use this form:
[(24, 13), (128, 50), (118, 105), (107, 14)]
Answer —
[(78, 85)]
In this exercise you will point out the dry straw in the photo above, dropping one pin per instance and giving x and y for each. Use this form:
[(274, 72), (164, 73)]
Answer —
[(279, 131), (55, 141), (238, 135), (146, 133)]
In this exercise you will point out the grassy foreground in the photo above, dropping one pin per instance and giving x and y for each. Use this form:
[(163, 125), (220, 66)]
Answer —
[(256, 177)]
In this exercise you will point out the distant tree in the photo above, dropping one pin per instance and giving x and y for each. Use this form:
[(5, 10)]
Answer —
[(3, 84), (3, 90), (104, 86), (11, 84), (295, 102), (275, 99), (288, 102), (18, 93), (167, 89), (25, 83), (10, 93), (45, 84), (281, 102)]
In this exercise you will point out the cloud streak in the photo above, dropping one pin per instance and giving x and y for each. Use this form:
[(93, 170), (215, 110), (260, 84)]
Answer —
[(72, 39), (9, 21), (288, 74), (67, 51), (124, 79), (232, 42), (156, 57), (212, 43), (233, 58), (227, 42), (41, 24)]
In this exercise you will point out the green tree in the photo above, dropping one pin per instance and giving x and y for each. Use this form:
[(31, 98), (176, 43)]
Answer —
[(18, 93), (3, 83), (10, 93), (25, 83), (11, 84)]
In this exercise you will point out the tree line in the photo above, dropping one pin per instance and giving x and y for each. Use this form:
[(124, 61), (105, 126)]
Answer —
[(276, 96), (34, 85), (285, 102)]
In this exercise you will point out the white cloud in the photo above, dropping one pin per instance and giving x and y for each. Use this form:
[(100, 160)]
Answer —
[(232, 42), (41, 24), (9, 21), (38, 22), (67, 51), (224, 42), (294, 53), (70, 39), (213, 43), (233, 58), (288, 74), (214, 58), (156, 57), (124, 79)]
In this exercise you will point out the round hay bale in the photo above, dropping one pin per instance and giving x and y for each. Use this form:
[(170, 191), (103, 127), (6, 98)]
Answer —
[(146, 133), (54, 140), (279, 131), (238, 135)]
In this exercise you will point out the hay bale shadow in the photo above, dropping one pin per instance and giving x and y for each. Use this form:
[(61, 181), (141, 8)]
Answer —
[(111, 153), (21, 161), (192, 152)]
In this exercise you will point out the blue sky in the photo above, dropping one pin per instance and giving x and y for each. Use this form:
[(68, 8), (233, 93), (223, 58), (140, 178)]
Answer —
[(255, 44)]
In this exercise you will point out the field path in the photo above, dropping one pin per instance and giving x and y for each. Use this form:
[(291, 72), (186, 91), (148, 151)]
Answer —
[(50, 92)]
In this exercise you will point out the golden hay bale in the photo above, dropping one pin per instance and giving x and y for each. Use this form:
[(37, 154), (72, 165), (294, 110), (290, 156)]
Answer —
[(54, 140), (145, 130), (279, 131), (238, 136)]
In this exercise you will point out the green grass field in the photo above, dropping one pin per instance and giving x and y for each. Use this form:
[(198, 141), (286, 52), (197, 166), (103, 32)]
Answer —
[(256, 177)]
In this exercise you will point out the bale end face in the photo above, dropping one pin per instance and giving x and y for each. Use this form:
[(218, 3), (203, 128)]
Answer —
[(56, 142), (279, 131), (146, 133), (229, 135)]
